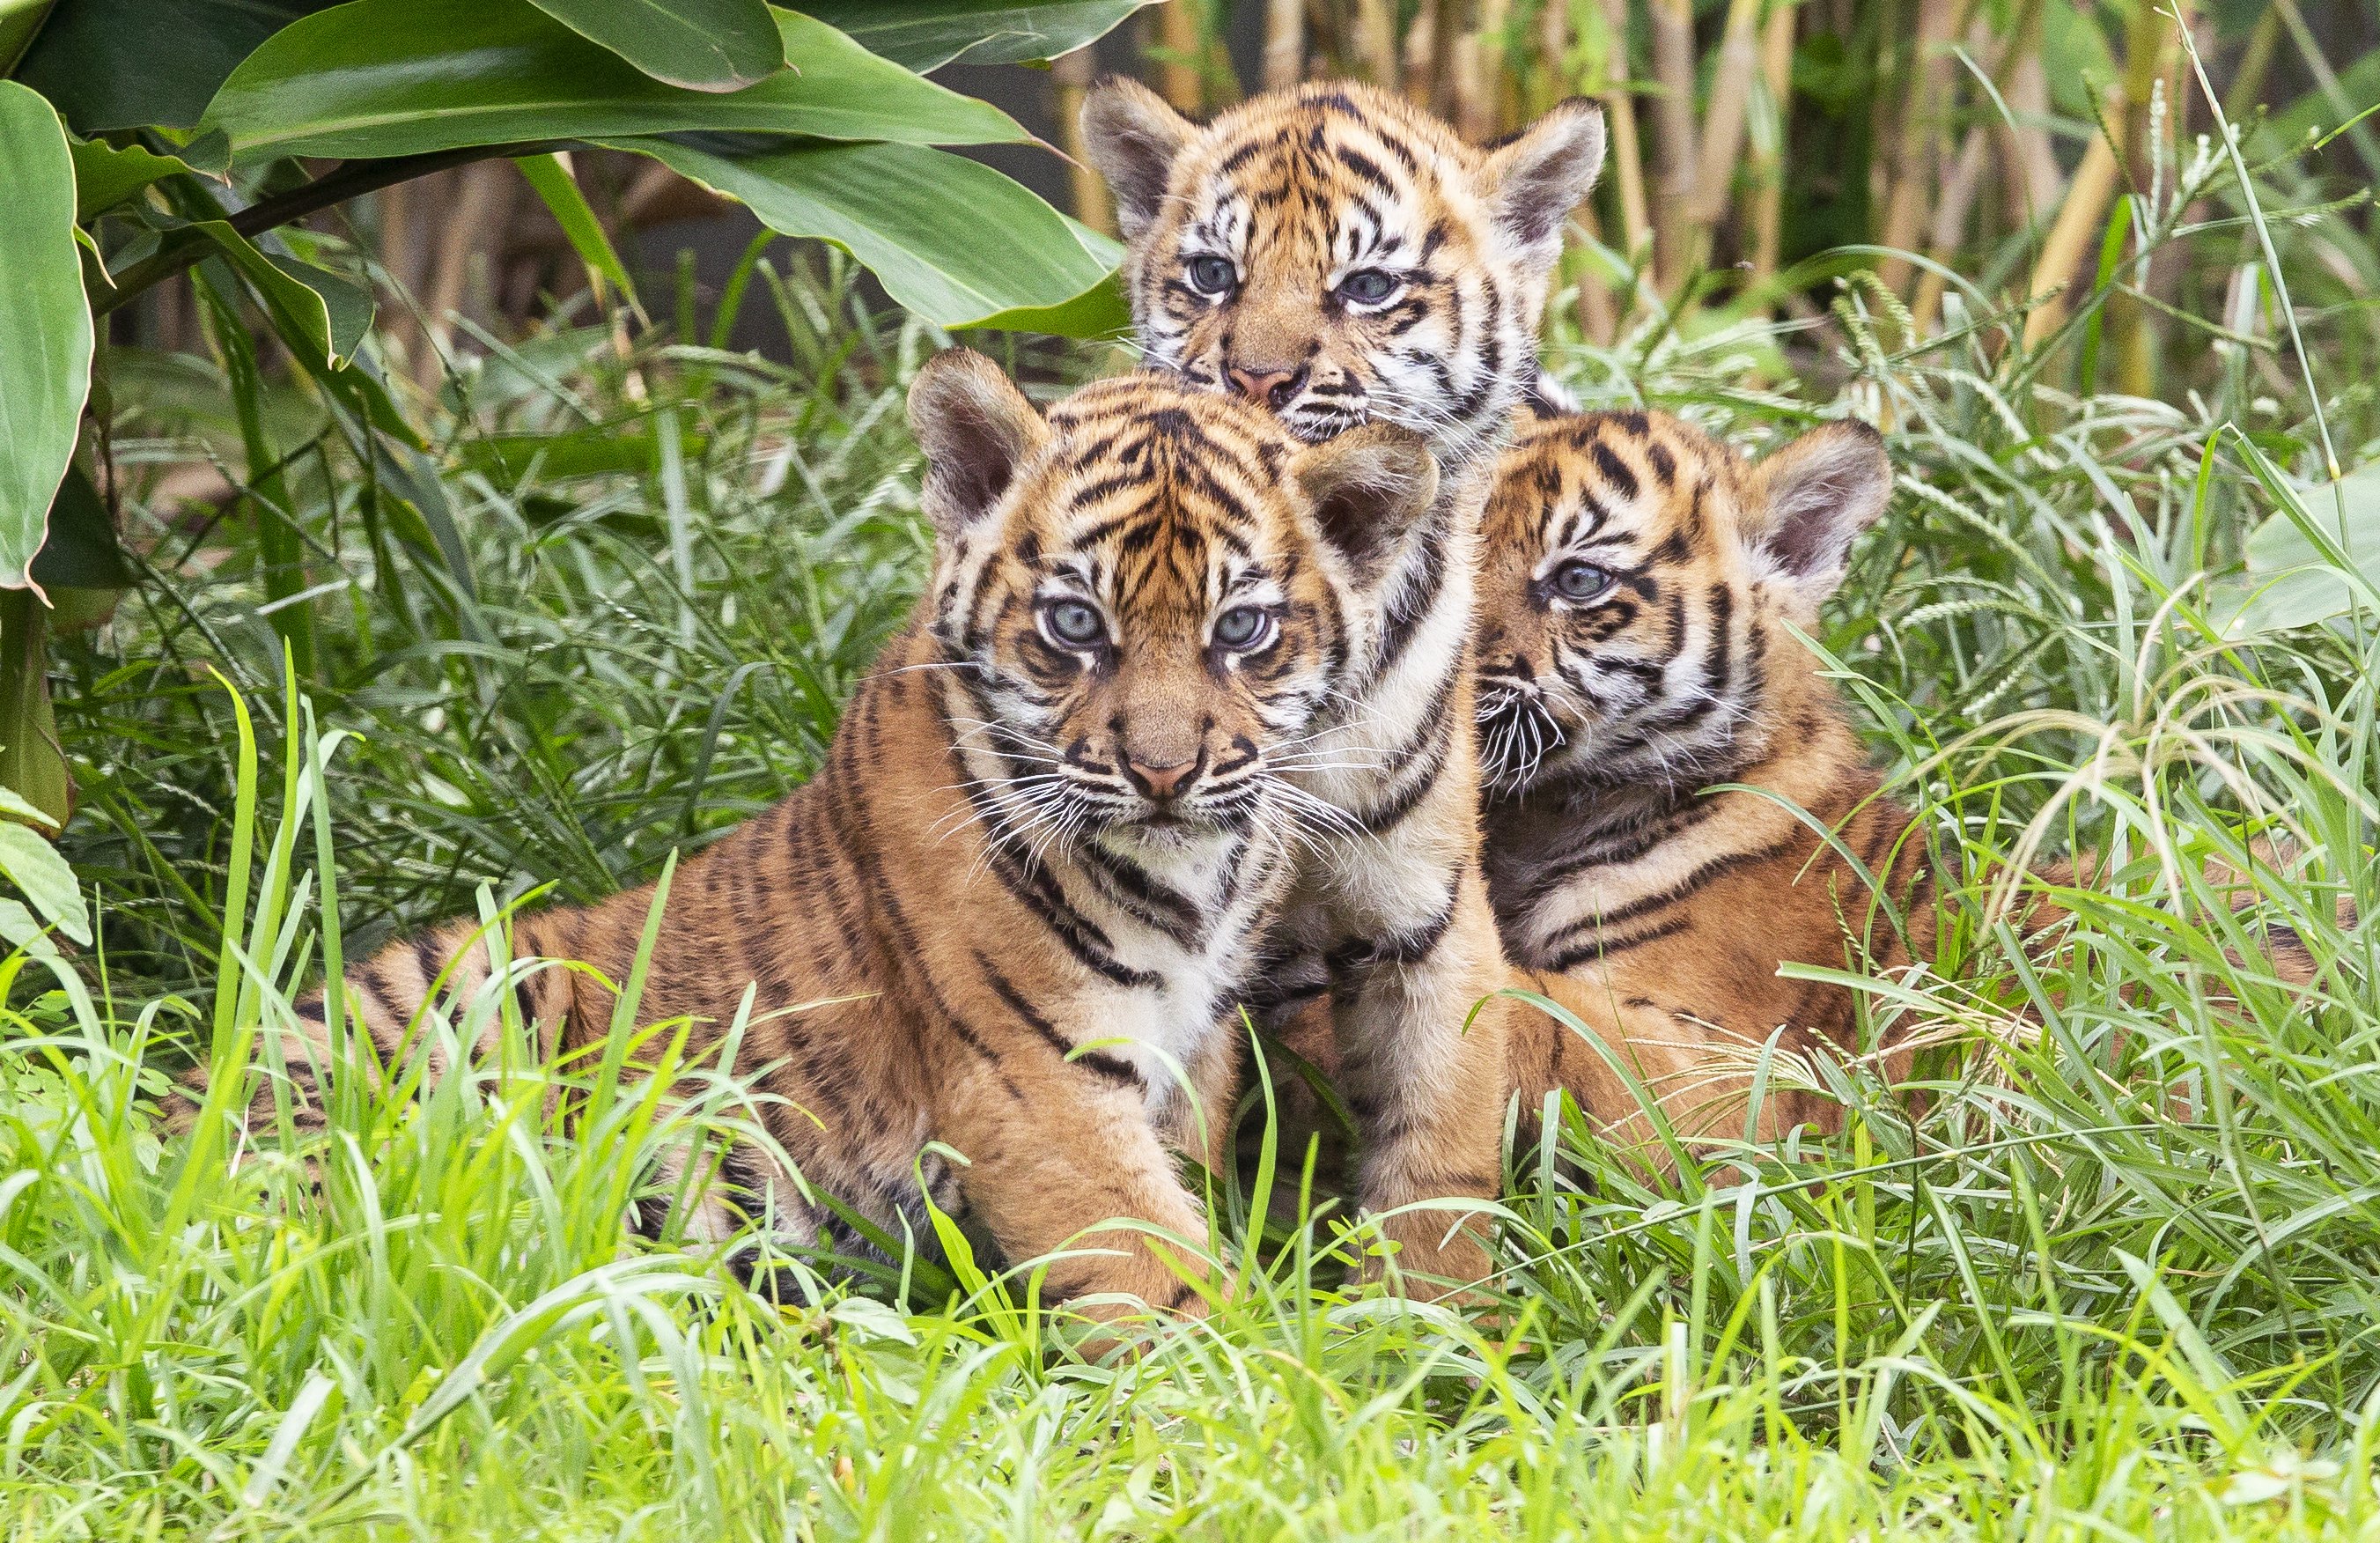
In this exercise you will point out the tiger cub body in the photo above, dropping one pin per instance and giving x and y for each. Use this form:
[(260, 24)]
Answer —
[(1345, 258), (1639, 585), (1012, 911)]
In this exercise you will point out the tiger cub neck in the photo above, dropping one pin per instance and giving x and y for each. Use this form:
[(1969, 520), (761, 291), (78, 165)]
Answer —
[(1584, 871)]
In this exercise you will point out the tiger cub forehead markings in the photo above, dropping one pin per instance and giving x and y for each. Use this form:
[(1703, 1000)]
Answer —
[(1342, 256), (1637, 588)]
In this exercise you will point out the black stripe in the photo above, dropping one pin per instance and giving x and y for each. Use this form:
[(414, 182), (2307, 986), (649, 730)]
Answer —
[(1410, 947), (1604, 947), (1097, 1061), (1710, 871), (1154, 903)]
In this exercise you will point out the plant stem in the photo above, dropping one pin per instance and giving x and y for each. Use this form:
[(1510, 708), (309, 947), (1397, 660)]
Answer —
[(30, 761), (350, 179)]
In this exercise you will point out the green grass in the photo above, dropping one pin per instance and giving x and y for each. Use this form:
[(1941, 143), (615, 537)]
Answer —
[(2109, 1267)]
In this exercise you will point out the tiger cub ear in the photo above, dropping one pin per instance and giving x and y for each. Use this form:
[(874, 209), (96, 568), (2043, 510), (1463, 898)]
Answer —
[(976, 429), (1369, 486), (1532, 180), (1808, 500), (1132, 135)]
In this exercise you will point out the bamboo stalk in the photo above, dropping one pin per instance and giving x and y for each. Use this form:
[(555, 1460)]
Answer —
[(1285, 44), (1070, 80), (1619, 115), (1375, 30), (1673, 109), (479, 207), (1960, 190), (1768, 171), (2037, 186), (1180, 44), (1730, 97), (2080, 220), (1914, 161)]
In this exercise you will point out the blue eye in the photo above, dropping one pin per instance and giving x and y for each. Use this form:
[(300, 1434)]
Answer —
[(1368, 286), (1073, 624), (1213, 275), (1243, 627), (1575, 580)]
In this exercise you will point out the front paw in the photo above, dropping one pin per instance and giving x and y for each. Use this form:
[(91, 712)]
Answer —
[(1120, 1302)]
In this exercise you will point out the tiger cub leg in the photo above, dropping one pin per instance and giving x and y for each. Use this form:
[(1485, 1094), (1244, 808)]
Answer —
[(1424, 1077), (1080, 1172)]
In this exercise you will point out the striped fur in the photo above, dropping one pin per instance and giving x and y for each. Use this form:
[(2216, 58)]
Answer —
[(1346, 260), (1633, 650), (1025, 886)]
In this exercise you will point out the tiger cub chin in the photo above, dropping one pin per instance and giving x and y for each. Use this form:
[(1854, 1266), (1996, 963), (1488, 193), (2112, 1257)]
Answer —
[(1345, 259), (1017, 905), (1638, 586)]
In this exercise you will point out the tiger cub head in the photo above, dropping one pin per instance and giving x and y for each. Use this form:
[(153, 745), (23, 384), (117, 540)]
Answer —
[(1636, 578), (1341, 256), (1148, 593)]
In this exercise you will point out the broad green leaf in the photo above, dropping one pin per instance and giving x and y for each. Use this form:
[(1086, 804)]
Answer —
[(927, 34), (322, 317), (45, 331), (22, 929), (952, 240), (16, 806), (2292, 581), (19, 20), (105, 175), (551, 179), (129, 64), (34, 866), (704, 45), (380, 77)]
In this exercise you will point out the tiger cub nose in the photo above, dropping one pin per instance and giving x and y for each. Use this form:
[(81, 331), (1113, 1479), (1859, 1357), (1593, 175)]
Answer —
[(1164, 781), (1267, 385)]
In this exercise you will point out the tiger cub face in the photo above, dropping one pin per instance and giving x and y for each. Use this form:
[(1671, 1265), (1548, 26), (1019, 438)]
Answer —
[(1635, 582), (1341, 256), (1147, 594)]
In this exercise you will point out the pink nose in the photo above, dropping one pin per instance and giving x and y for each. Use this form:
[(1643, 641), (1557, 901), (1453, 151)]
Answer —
[(1163, 782), (1266, 386)]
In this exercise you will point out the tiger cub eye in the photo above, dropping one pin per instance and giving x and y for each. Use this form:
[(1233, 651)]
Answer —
[(1576, 580)]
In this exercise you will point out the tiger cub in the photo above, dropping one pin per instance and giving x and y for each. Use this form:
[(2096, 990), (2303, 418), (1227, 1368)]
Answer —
[(1015, 905), (1637, 586), (1345, 258), (1637, 583)]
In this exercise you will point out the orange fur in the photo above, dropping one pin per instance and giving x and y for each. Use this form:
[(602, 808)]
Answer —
[(1025, 886)]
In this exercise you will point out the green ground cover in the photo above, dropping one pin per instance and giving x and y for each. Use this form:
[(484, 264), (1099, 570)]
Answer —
[(2110, 1266)]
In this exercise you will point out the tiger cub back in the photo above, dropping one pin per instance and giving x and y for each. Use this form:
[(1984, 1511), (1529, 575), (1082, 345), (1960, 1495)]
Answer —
[(1018, 900)]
